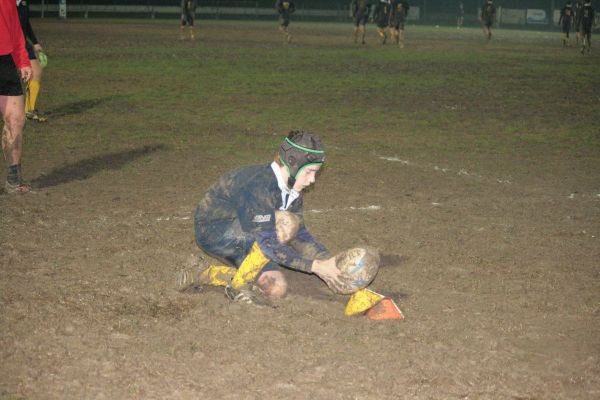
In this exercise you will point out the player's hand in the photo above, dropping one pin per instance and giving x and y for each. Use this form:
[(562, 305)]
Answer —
[(38, 48), (327, 270), (26, 73)]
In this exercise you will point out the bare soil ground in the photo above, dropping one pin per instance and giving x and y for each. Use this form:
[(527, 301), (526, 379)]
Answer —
[(493, 258)]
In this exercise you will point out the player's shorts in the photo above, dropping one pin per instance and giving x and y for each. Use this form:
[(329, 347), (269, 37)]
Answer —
[(398, 26), (30, 51), (361, 18), (382, 24), (397, 23), (284, 21), (187, 18), (226, 241), (10, 83), (566, 28), (586, 29)]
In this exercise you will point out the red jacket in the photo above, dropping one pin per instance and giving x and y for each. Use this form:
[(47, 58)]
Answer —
[(11, 36)]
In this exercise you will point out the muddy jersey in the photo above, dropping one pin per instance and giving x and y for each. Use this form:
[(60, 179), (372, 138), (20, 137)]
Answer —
[(587, 18), (381, 14), (488, 12), (243, 202), (360, 11), (398, 12)]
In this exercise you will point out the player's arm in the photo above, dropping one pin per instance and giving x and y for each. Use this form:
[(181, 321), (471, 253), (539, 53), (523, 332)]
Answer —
[(308, 245), (326, 269), (19, 54), (281, 253)]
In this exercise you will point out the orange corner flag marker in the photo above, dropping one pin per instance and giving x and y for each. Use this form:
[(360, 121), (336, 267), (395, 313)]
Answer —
[(385, 309)]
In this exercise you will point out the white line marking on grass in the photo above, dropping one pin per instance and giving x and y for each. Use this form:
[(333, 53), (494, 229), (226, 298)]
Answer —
[(351, 208), (174, 218), (461, 172)]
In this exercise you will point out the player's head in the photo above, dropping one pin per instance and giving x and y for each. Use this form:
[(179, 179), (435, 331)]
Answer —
[(301, 152)]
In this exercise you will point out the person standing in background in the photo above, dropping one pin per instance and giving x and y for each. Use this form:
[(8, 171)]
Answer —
[(14, 67), (34, 48)]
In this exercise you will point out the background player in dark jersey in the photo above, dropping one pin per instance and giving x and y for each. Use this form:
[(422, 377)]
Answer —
[(577, 27), (587, 24), (381, 15), (285, 8), (488, 14), (566, 22), (460, 15), (398, 13), (188, 14), (33, 49), (360, 15)]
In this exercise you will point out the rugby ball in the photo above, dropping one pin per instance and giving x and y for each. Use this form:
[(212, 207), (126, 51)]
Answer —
[(359, 266)]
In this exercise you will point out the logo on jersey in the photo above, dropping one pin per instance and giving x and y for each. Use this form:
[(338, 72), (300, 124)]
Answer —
[(262, 218)]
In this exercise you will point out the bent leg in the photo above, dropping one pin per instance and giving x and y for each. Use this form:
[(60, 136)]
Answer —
[(14, 120)]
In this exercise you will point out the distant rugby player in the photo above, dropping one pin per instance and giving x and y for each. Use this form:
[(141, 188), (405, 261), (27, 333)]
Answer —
[(587, 24), (398, 13), (381, 15), (577, 27), (566, 21), (285, 8), (360, 14), (488, 13), (188, 13), (460, 15)]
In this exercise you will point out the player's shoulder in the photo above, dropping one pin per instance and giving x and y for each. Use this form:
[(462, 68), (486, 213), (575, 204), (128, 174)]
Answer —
[(252, 174)]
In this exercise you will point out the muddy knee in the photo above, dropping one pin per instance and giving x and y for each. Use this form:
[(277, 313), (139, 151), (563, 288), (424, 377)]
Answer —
[(273, 284)]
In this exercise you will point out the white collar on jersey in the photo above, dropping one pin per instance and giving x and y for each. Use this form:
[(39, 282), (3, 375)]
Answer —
[(287, 195)]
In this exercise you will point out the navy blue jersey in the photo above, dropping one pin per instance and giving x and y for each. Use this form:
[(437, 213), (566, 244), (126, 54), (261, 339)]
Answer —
[(248, 198)]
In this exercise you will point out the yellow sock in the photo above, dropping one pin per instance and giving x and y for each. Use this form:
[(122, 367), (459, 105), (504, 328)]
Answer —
[(33, 89), (217, 275), (361, 301), (250, 268)]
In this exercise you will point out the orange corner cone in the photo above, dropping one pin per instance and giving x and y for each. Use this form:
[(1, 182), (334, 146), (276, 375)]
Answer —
[(385, 309)]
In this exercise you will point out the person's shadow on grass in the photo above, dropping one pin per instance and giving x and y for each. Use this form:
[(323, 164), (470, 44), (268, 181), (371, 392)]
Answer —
[(77, 107), (84, 169)]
